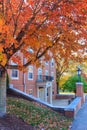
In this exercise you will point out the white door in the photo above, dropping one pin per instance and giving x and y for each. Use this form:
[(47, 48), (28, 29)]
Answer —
[(42, 94)]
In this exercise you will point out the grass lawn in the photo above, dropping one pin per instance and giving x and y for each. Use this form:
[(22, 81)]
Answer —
[(37, 115)]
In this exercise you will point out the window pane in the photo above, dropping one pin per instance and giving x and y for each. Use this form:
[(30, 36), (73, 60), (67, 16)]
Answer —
[(40, 77), (30, 72), (30, 75), (52, 74), (14, 73), (40, 74), (46, 72), (52, 62)]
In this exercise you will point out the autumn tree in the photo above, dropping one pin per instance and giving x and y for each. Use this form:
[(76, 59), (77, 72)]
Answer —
[(66, 64), (67, 67), (62, 67), (40, 25)]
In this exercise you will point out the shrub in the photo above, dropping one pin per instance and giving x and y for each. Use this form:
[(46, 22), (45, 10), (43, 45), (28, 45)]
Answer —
[(70, 84)]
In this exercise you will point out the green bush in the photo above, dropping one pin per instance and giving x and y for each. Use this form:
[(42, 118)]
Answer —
[(70, 84)]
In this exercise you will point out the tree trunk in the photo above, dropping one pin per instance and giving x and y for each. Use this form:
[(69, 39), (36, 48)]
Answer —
[(2, 95), (57, 87)]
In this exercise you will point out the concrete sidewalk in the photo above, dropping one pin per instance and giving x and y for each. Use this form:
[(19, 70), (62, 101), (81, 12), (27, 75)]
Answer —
[(80, 121)]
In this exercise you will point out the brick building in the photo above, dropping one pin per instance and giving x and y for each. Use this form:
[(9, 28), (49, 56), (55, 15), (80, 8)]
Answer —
[(39, 82)]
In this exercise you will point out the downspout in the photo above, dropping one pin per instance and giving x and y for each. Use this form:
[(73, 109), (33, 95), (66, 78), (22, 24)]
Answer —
[(24, 75)]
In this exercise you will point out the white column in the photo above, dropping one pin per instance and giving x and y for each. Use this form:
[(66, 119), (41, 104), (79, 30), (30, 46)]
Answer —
[(50, 94), (38, 92), (45, 94)]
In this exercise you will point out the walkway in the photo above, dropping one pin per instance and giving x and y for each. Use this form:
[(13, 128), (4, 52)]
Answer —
[(80, 121)]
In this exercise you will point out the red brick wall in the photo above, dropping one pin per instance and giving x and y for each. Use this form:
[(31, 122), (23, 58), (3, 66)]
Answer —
[(31, 84)]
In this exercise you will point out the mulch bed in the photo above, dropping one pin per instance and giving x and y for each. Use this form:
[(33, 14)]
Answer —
[(11, 122)]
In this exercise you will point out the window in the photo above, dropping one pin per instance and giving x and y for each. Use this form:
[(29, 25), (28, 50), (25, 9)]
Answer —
[(39, 74), (14, 74), (30, 91), (30, 50), (52, 74), (41, 60), (46, 62), (46, 73), (52, 62), (13, 63), (30, 73)]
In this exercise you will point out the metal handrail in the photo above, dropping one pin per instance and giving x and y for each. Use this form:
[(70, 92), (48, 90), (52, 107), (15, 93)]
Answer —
[(44, 78)]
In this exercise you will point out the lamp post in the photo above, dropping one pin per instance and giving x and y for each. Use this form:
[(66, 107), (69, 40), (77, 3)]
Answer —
[(79, 73), (79, 86)]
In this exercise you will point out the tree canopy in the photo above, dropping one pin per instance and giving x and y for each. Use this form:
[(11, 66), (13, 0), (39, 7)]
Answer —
[(70, 84), (41, 25)]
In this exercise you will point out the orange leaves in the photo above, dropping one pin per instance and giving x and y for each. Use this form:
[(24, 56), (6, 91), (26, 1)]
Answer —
[(1, 48), (3, 59), (31, 2), (39, 25), (17, 60)]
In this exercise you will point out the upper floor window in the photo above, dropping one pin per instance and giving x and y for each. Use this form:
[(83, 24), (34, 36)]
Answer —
[(52, 62), (46, 62), (13, 63), (46, 73), (30, 73), (14, 74), (52, 74), (39, 74), (41, 60), (30, 50)]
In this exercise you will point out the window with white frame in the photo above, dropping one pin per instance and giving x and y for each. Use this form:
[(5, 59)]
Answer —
[(30, 91), (52, 62), (46, 62), (13, 63), (39, 74), (30, 50), (30, 73), (14, 74), (46, 72), (41, 60), (52, 74)]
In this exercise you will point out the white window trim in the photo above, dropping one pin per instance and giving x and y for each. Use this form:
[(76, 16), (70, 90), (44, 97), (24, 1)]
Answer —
[(46, 71), (52, 74), (39, 72), (46, 62), (52, 61), (15, 78), (32, 74), (13, 63), (30, 91)]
